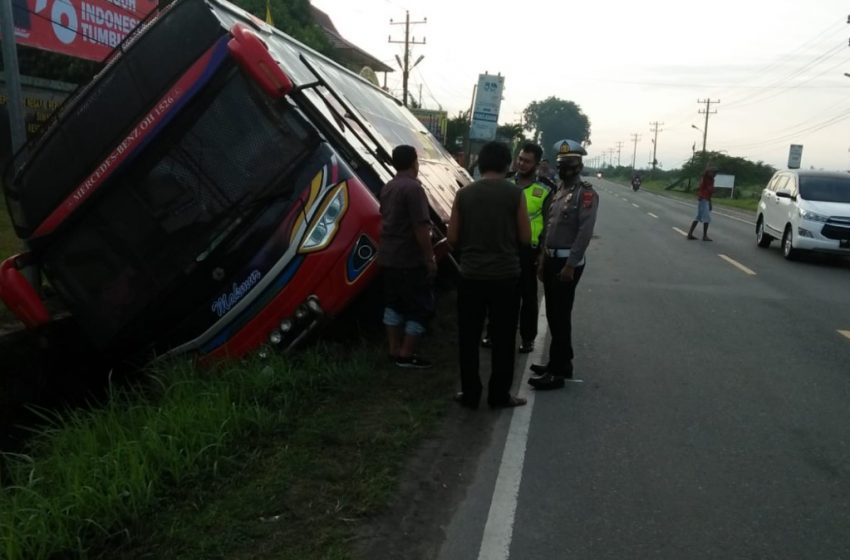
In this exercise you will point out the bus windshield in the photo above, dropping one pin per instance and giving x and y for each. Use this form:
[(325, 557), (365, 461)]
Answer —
[(225, 156)]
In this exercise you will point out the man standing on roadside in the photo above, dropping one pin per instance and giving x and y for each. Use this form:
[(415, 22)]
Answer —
[(570, 219), (488, 225), (704, 192), (407, 259), (536, 190)]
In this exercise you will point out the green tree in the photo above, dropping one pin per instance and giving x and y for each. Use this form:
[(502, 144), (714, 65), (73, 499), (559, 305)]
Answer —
[(456, 131), (746, 172), (554, 119), (512, 133)]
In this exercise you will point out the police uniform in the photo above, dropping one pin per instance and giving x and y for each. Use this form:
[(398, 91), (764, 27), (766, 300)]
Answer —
[(537, 195), (569, 226)]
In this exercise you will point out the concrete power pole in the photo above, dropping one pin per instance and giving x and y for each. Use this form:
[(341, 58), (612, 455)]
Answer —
[(706, 112), (406, 67), (635, 139), (619, 149), (655, 130)]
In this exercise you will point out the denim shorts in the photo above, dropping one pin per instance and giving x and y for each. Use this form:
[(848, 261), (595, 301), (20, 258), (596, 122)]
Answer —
[(703, 211)]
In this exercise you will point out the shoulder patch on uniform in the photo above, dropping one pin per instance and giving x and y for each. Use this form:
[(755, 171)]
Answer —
[(587, 199)]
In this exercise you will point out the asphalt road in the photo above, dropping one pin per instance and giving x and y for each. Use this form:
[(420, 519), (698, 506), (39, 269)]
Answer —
[(713, 416)]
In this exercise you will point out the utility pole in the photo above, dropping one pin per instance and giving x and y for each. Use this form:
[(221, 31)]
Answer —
[(706, 112), (406, 67), (619, 149), (655, 130), (635, 139)]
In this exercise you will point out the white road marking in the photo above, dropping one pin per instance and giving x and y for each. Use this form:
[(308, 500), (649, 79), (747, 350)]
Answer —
[(844, 333), (653, 215), (635, 205), (683, 232), (737, 265), (499, 529)]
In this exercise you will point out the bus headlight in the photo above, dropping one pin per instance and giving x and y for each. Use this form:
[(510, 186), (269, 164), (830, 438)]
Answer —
[(321, 232)]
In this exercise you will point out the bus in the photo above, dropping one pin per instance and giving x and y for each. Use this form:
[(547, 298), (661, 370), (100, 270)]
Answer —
[(212, 191)]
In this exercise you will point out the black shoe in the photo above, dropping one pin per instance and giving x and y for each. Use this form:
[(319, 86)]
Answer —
[(526, 347), (539, 369), (486, 342), (463, 401), (413, 362), (547, 382)]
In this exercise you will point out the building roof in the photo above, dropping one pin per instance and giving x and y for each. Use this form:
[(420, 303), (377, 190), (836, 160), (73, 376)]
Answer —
[(352, 54)]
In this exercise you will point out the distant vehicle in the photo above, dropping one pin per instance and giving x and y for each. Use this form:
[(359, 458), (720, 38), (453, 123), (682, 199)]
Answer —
[(807, 211), (635, 183), (214, 190), (598, 174)]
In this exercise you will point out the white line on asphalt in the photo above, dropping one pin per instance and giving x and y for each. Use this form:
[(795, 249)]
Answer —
[(683, 232), (737, 265), (845, 333), (635, 205), (499, 529), (653, 215)]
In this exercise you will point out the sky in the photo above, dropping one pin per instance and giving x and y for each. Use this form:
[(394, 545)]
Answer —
[(776, 68)]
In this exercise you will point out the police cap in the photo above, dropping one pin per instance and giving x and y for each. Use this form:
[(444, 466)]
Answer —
[(568, 148)]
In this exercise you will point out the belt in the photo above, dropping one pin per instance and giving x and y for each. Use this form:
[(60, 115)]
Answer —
[(557, 253)]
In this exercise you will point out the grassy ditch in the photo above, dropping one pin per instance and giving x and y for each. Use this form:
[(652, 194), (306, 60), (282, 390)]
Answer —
[(281, 458)]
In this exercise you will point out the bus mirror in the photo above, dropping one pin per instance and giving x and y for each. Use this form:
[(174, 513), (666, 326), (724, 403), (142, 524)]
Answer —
[(20, 297), (252, 54)]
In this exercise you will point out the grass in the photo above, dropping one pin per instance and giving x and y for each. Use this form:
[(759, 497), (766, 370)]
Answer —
[(282, 458)]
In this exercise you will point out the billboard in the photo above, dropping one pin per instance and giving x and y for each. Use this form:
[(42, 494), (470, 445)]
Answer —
[(795, 156), (87, 29), (40, 97), (435, 121), (485, 112)]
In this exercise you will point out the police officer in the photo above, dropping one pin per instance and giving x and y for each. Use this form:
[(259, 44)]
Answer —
[(569, 225)]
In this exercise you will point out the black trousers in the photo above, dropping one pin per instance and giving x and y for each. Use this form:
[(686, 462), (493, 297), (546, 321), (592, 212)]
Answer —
[(559, 311), (498, 300), (528, 295)]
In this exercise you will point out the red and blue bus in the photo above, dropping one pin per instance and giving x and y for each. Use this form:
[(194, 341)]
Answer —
[(214, 190)]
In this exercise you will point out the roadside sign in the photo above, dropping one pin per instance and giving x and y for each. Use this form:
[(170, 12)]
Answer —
[(795, 156), (485, 114)]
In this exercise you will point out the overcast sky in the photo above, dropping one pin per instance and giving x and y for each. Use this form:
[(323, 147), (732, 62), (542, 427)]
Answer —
[(776, 67)]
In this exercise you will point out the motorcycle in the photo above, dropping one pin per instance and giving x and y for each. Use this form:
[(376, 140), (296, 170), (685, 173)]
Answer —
[(635, 183)]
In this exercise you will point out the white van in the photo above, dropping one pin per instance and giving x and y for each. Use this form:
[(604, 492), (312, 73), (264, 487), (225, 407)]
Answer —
[(807, 210)]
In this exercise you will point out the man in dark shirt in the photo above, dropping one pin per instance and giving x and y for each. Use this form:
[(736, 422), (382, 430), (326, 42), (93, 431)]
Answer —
[(407, 259), (488, 225)]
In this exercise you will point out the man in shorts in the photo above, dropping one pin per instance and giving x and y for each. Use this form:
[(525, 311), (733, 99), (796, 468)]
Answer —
[(407, 259)]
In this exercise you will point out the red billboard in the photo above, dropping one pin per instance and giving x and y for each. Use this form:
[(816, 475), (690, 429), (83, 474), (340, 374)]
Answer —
[(83, 28)]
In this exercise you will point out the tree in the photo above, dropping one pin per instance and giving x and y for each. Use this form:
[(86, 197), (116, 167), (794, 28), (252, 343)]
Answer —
[(745, 171), (554, 119), (510, 133), (456, 131), (293, 18)]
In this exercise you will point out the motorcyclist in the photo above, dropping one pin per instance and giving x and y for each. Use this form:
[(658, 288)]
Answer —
[(636, 181)]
